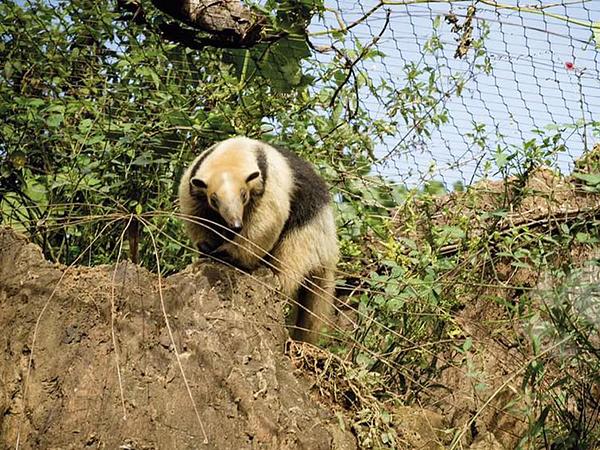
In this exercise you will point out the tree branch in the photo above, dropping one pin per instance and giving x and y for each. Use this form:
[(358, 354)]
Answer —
[(204, 23), (363, 53)]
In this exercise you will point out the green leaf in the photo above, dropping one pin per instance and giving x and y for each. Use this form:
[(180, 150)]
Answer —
[(467, 344), (141, 160), (8, 69), (56, 109), (591, 179), (586, 238), (35, 102), (85, 125), (95, 139), (596, 32), (54, 120), (520, 265)]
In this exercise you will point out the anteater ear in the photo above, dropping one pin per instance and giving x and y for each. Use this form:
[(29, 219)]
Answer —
[(198, 183), (252, 176)]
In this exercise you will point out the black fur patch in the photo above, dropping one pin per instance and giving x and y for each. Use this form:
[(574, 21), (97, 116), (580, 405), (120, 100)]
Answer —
[(196, 166), (309, 196), (212, 224), (261, 161)]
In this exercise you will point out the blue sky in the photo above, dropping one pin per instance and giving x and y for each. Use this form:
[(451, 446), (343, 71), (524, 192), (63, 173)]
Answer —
[(529, 86)]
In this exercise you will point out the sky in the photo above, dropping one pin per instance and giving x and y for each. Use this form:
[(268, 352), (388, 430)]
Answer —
[(529, 87)]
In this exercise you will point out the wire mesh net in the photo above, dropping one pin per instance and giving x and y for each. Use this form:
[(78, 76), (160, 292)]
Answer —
[(530, 67), (453, 83)]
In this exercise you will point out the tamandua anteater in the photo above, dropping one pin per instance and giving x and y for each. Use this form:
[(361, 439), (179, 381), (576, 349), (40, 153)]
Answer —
[(247, 200)]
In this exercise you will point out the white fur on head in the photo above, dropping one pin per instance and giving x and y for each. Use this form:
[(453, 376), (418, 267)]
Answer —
[(229, 176)]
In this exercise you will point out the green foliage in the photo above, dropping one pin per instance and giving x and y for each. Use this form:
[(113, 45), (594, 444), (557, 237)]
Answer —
[(591, 181), (108, 114), (567, 406)]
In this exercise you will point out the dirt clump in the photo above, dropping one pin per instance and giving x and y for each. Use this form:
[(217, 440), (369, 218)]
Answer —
[(65, 384)]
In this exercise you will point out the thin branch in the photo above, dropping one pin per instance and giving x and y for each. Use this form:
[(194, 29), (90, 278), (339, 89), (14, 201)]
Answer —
[(541, 220), (528, 9), (533, 9), (344, 28), (359, 57)]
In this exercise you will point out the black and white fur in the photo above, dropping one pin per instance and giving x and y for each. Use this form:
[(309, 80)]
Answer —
[(286, 217)]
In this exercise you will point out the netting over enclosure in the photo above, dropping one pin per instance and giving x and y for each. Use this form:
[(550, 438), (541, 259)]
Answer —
[(474, 78), (453, 87)]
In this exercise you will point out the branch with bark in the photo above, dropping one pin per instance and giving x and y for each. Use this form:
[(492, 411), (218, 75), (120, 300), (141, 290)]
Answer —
[(201, 23)]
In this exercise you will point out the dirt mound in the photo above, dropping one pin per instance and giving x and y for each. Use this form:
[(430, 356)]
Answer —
[(63, 384)]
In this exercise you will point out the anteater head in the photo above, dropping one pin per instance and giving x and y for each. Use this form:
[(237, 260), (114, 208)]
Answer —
[(229, 180)]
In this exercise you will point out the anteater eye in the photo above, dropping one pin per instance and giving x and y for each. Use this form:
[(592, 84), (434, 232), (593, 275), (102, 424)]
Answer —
[(214, 201), (244, 195)]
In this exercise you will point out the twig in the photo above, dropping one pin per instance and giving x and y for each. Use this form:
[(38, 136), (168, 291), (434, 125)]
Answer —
[(358, 58), (542, 219), (344, 28)]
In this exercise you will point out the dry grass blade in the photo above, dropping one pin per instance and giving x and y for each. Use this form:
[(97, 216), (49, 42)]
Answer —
[(112, 318)]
